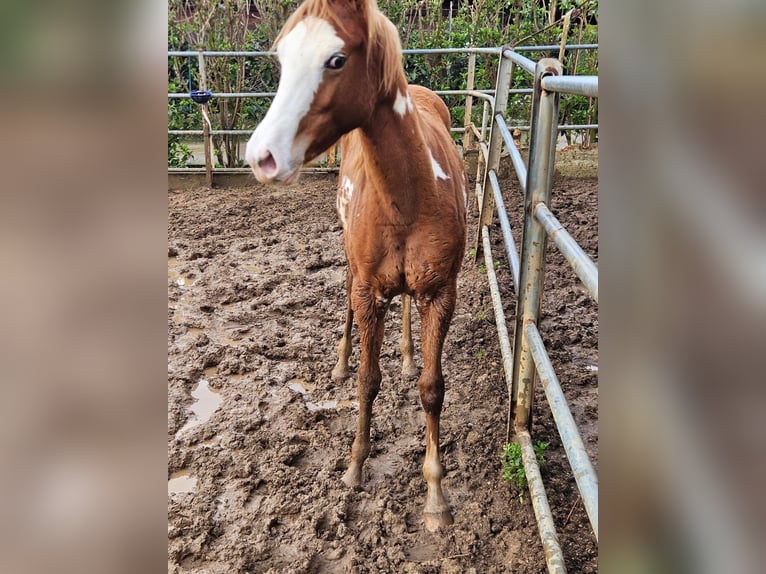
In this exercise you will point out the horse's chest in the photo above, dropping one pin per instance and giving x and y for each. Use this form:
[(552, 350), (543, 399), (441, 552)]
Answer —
[(397, 259)]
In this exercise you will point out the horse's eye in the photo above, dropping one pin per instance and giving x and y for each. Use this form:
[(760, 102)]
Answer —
[(336, 62)]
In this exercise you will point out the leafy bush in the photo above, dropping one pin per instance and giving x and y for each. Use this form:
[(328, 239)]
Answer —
[(513, 466)]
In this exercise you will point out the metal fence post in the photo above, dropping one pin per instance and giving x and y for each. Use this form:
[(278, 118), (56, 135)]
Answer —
[(206, 127), (468, 134), (542, 149), (504, 75)]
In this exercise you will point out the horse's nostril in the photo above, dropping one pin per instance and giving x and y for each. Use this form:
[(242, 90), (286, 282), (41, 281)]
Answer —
[(267, 163)]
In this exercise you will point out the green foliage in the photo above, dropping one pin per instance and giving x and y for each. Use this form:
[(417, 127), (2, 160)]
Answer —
[(513, 466), (229, 25)]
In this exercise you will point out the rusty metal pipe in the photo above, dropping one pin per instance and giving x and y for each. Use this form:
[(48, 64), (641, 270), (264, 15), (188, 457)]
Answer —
[(554, 558), (497, 306), (582, 265), (513, 151), (579, 85), (542, 150), (505, 226), (585, 476)]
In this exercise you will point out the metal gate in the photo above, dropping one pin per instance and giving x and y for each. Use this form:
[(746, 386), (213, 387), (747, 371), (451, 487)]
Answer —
[(526, 360)]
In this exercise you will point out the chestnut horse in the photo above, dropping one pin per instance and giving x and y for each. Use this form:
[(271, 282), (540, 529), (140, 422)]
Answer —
[(401, 195)]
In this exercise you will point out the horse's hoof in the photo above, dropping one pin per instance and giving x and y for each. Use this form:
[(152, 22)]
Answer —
[(352, 477), (409, 371), (436, 520), (339, 374)]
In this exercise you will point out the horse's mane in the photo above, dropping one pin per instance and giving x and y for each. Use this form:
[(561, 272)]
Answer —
[(382, 36)]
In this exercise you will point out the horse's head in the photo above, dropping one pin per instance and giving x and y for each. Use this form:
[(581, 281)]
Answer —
[(334, 69)]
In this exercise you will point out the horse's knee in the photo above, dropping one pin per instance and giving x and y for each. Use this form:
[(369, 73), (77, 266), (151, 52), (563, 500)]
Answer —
[(369, 386), (431, 393)]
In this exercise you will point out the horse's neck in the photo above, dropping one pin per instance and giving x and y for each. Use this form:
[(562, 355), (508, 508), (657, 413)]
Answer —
[(396, 154)]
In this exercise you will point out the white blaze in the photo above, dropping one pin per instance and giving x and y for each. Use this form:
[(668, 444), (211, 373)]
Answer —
[(302, 54), (438, 171)]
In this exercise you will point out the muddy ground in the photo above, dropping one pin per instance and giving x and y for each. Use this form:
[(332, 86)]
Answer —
[(255, 310)]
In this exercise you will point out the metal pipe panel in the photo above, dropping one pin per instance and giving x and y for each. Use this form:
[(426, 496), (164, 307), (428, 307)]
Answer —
[(587, 482), (554, 558), (510, 246), (580, 85), (497, 306), (513, 151), (542, 150), (583, 266), (525, 63)]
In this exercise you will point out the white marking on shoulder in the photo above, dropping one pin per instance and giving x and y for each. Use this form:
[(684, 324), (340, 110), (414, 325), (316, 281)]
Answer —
[(403, 104), (344, 197), (438, 171)]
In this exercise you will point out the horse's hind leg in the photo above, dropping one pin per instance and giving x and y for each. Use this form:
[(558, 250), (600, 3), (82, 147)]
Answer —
[(435, 314), (409, 369), (340, 372)]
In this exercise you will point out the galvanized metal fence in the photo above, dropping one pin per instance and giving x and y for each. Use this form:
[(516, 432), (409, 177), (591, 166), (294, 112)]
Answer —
[(207, 131), (525, 360)]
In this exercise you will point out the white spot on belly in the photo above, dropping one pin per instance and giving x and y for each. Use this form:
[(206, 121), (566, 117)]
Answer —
[(438, 171), (344, 197), (403, 104)]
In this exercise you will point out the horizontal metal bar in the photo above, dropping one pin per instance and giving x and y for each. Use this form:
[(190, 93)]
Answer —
[(211, 132), (585, 476), (183, 170), (497, 305), (488, 95), (552, 47), (583, 265), (579, 85), (564, 127), (554, 558), (505, 226), (489, 50), (516, 159), (452, 51), (525, 63), (182, 96), (219, 53)]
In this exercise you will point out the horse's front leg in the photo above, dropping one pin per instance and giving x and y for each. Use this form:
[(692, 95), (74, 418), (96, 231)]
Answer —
[(370, 314), (436, 314)]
